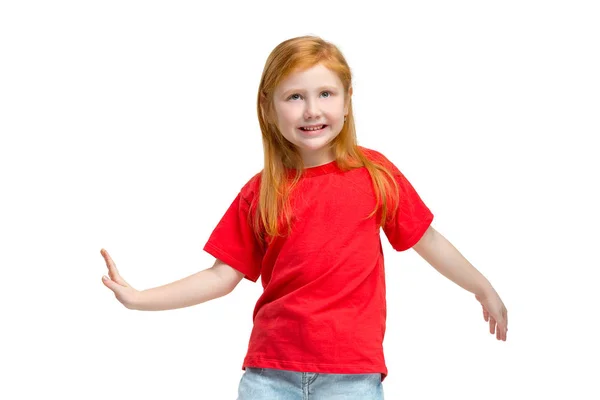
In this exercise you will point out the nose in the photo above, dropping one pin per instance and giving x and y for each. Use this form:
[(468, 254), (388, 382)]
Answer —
[(312, 110)]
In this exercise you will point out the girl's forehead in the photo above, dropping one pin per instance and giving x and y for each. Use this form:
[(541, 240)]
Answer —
[(317, 75)]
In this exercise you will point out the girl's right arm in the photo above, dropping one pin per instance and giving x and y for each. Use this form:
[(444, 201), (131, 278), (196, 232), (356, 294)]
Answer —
[(209, 284)]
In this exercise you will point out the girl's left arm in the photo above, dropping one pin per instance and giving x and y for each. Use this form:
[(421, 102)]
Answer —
[(447, 260)]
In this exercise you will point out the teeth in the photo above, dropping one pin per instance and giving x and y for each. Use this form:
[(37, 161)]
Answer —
[(316, 128)]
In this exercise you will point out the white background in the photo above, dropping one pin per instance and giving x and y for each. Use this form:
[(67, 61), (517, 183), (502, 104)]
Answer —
[(131, 126)]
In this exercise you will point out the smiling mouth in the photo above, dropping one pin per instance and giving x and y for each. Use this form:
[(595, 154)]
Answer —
[(313, 128)]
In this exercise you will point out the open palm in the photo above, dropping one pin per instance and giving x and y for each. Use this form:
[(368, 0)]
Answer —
[(123, 291)]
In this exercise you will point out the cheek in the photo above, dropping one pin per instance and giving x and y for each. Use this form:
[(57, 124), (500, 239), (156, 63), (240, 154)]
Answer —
[(286, 114), (335, 109)]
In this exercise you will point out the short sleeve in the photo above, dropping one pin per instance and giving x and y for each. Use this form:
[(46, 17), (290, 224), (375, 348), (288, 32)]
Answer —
[(413, 217), (233, 240)]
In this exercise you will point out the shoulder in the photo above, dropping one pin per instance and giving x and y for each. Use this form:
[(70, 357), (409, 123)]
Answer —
[(251, 189), (377, 157)]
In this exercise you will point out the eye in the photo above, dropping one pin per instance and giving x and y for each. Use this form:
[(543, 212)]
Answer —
[(327, 93), (293, 97)]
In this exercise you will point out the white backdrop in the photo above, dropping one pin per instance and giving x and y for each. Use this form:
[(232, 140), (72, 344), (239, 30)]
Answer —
[(131, 126)]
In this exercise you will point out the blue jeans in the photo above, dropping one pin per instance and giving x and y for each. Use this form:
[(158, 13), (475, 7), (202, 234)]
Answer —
[(275, 384)]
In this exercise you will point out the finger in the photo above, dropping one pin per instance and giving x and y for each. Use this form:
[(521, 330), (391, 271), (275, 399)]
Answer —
[(502, 325), (504, 329), (113, 272), (112, 267), (492, 326), (109, 283), (486, 315)]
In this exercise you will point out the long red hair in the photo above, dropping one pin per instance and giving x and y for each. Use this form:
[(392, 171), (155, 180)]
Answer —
[(281, 156)]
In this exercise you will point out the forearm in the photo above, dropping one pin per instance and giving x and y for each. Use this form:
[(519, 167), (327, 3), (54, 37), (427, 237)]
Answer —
[(195, 289), (448, 261)]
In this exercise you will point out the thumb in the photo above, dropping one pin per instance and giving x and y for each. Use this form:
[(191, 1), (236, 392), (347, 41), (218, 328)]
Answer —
[(109, 283)]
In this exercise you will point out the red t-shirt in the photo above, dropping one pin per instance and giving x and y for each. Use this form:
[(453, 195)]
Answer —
[(323, 308)]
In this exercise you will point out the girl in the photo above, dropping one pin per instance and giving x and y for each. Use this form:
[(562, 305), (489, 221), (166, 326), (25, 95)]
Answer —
[(309, 225)]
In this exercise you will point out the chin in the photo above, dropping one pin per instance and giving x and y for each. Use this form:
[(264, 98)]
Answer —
[(315, 149)]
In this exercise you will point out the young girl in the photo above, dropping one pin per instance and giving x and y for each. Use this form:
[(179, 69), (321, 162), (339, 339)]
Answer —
[(309, 225)]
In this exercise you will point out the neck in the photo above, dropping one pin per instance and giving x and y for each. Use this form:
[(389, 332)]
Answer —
[(315, 159)]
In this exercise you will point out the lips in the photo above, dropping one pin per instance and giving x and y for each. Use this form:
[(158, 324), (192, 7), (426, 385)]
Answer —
[(313, 128)]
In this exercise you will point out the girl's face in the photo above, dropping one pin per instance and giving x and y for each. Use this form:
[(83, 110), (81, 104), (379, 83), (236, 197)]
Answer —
[(310, 107)]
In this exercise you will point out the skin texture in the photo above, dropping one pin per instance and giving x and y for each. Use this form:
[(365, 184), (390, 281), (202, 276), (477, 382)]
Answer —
[(311, 97), (203, 286), (434, 248)]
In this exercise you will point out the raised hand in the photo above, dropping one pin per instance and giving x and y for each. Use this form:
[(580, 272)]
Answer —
[(123, 291), (495, 313)]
